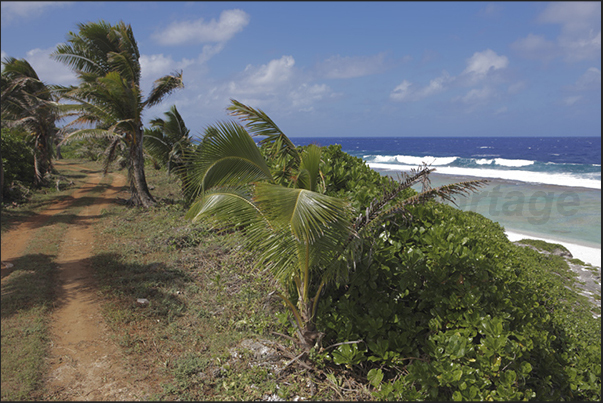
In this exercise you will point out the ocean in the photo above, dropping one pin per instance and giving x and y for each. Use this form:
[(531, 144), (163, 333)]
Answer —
[(543, 188)]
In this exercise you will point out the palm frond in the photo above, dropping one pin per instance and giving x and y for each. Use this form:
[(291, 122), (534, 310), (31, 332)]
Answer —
[(164, 86), (229, 155), (308, 215), (445, 192), (259, 124), (309, 168)]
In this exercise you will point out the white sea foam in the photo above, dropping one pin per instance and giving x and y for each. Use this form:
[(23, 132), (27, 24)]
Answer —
[(512, 163), (585, 253), (560, 179), (411, 160), (504, 162)]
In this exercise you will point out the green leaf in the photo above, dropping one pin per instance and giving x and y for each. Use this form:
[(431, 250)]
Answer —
[(375, 376)]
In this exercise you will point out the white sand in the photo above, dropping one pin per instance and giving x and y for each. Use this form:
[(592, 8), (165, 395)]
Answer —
[(585, 253)]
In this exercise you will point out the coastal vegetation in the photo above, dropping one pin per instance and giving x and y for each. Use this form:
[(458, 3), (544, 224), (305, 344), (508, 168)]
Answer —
[(359, 286)]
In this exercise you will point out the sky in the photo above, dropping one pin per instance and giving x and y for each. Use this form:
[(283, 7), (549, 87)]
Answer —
[(350, 69)]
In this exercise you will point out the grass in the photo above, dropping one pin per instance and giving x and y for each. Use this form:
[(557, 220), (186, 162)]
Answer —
[(206, 297)]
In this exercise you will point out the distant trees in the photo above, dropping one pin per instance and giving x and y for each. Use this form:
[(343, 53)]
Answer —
[(106, 61)]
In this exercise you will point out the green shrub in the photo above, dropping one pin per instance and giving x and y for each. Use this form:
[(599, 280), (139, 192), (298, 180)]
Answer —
[(17, 159), (349, 177), (465, 313)]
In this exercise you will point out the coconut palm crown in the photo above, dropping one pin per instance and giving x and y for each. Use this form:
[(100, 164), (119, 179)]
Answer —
[(106, 61)]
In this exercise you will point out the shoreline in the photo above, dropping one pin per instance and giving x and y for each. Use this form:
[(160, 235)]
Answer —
[(526, 225), (536, 178), (587, 254)]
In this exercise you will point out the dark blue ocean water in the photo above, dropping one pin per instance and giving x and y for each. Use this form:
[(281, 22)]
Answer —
[(563, 161)]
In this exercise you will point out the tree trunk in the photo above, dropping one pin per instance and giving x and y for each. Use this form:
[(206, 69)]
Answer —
[(308, 332), (138, 183)]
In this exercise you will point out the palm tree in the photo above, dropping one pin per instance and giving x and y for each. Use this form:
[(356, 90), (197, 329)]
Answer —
[(303, 236), (295, 230), (167, 141), (106, 61), (29, 103)]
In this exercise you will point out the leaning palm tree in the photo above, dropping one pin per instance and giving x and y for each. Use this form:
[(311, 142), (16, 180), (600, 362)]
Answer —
[(106, 61), (306, 238), (30, 104)]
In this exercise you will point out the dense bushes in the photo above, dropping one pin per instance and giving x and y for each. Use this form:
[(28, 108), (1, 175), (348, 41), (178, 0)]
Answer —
[(450, 303), (349, 177), (17, 160)]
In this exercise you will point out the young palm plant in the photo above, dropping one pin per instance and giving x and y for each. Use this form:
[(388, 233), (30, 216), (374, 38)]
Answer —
[(107, 63), (294, 230), (303, 236), (167, 141)]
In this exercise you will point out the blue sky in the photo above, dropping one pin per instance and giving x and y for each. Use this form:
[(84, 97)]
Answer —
[(352, 68)]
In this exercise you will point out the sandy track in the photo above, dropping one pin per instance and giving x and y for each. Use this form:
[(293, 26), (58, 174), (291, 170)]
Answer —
[(85, 364)]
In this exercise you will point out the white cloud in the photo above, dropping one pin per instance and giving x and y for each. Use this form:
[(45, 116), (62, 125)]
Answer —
[(155, 66), (436, 85), (351, 67), (406, 92), (535, 47), (277, 85), (475, 96), (402, 92), (586, 89), (585, 47), (49, 70), (590, 80), (580, 37), (269, 76), (3, 55), (222, 30), (304, 96), (501, 110), (481, 63), (573, 16), (480, 68), (13, 10), (271, 80)]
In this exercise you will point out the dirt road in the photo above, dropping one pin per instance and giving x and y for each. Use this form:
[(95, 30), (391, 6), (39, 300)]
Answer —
[(85, 364)]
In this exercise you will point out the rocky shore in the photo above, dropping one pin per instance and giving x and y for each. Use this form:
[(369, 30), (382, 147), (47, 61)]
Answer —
[(589, 277)]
